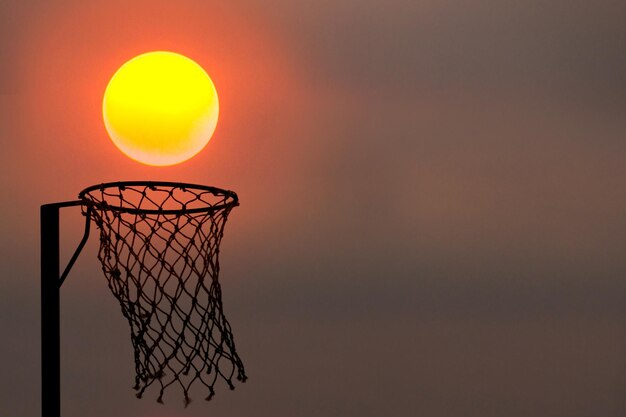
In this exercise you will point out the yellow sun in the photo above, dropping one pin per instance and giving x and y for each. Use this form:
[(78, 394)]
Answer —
[(160, 108)]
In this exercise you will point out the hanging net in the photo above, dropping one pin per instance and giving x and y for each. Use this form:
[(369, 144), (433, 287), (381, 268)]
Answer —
[(159, 247)]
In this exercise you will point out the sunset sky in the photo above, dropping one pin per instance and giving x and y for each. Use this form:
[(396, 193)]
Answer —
[(433, 202)]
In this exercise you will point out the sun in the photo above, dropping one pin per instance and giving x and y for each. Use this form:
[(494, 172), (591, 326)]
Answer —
[(160, 108)]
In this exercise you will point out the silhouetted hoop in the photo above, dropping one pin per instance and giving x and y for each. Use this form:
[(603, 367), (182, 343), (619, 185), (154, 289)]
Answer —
[(159, 250), (183, 198)]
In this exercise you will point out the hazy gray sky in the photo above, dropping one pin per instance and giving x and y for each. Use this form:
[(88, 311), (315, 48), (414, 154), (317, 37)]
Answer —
[(432, 202)]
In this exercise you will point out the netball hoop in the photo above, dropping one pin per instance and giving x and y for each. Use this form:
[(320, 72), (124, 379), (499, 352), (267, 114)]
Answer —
[(159, 249)]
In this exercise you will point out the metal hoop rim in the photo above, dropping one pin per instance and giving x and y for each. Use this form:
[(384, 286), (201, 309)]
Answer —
[(234, 200)]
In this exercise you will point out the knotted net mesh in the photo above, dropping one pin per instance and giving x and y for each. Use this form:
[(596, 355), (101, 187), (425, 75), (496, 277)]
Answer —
[(159, 247)]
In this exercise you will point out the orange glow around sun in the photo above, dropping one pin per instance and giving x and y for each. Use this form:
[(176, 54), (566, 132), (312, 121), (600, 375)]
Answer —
[(160, 108)]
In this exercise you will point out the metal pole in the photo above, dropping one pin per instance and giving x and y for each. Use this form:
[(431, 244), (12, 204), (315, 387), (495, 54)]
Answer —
[(51, 283), (50, 325)]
